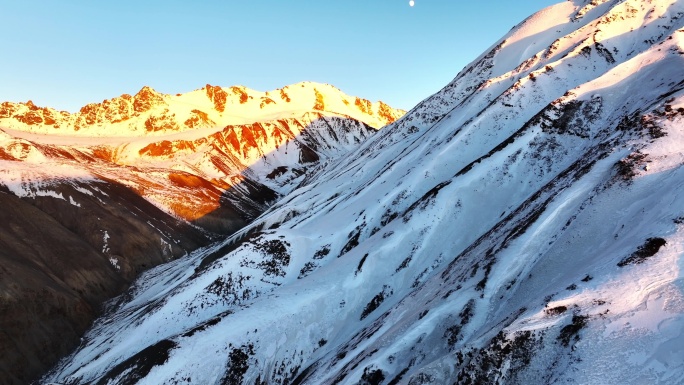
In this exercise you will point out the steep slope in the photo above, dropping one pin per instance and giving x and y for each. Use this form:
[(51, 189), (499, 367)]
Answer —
[(523, 225), (93, 199)]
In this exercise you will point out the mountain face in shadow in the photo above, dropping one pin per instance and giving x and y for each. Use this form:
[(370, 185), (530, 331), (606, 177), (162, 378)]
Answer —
[(87, 211), (521, 226), (61, 262)]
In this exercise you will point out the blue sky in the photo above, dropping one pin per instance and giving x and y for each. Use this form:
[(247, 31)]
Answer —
[(67, 53)]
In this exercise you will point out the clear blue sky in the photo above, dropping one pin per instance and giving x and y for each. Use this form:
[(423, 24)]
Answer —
[(67, 53)]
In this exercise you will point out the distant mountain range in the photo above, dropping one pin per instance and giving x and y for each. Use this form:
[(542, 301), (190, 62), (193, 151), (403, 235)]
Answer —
[(93, 199)]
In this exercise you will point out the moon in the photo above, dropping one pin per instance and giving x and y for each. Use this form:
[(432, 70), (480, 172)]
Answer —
[(412, 3)]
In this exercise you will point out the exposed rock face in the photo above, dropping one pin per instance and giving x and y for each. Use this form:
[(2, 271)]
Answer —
[(145, 99), (165, 122), (218, 96)]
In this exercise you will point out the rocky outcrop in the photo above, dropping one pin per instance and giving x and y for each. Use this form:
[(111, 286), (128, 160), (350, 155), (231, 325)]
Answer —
[(218, 96), (145, 99)]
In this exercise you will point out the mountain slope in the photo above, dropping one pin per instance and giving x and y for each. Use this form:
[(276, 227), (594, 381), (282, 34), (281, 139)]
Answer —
[(522, 225), (95, 198)]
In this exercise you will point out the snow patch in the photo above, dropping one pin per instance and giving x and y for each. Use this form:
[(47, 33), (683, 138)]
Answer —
[(115, 262), (73, 202)]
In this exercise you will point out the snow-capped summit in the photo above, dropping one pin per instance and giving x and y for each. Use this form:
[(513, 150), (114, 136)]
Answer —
[(524, 225), (150, 113)]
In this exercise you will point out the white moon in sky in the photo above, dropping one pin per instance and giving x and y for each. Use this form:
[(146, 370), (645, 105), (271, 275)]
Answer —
[(412, 3)]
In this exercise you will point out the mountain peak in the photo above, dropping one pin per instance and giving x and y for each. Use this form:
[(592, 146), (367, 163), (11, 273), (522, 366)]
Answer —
[(145, 90), (146, 98), (218, 97)]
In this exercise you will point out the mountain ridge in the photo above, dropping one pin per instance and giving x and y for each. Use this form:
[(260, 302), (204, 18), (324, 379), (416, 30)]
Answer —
[(206, 107)]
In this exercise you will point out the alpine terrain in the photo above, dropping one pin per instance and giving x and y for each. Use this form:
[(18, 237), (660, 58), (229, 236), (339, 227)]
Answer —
[(523, 225), (90, 200)]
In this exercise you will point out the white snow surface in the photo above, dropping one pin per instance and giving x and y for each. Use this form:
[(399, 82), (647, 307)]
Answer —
[(499, 232)]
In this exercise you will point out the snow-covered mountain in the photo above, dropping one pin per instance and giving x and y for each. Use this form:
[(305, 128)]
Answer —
[(235, 150), (524, 225), (92, 199), (150, 113)]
